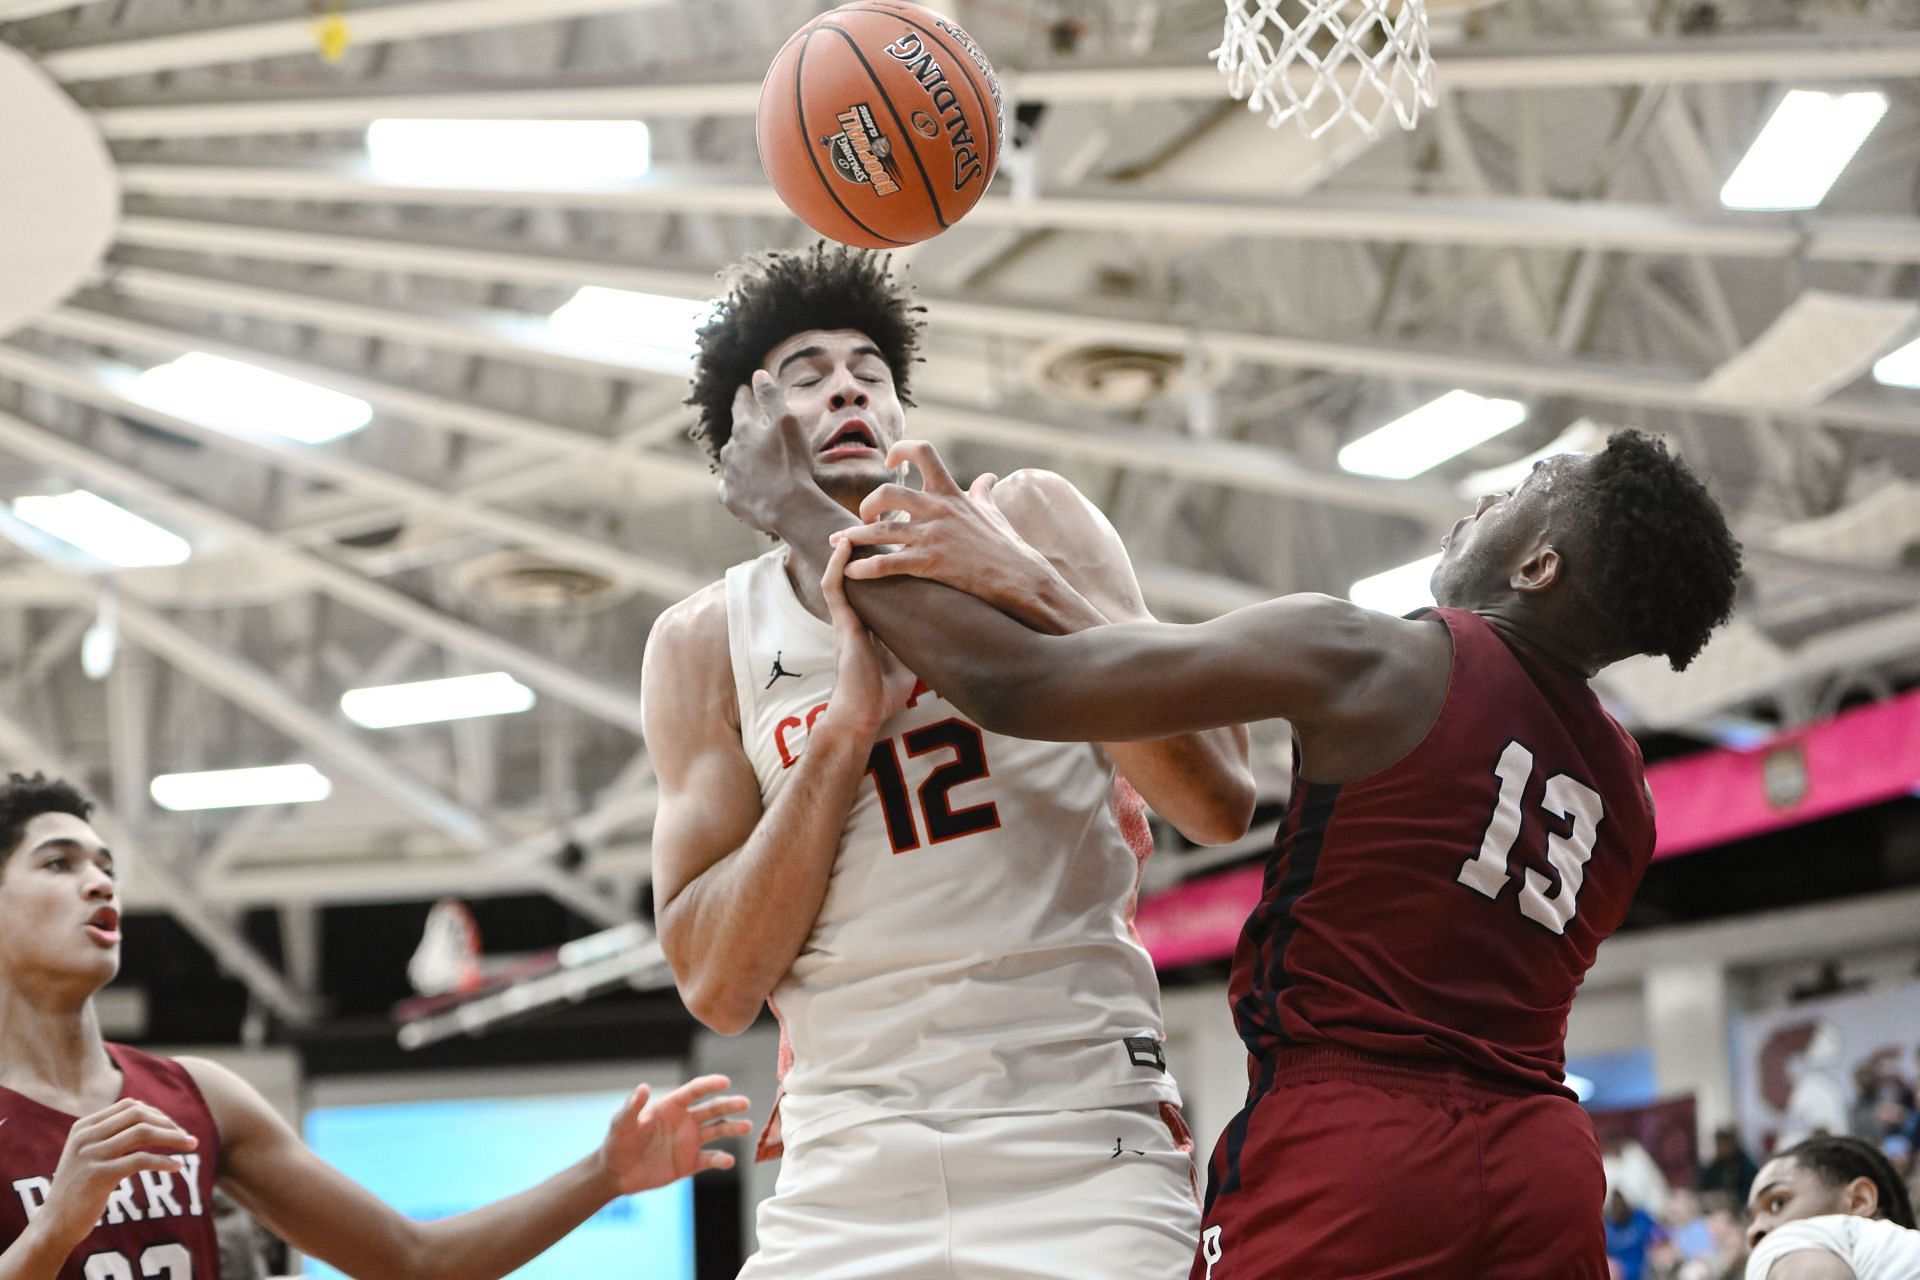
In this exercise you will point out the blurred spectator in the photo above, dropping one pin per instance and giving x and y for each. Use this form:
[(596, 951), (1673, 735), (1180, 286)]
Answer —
[(242, 1251), (1731, 1169), (1631, 1234), (1633, 1173)]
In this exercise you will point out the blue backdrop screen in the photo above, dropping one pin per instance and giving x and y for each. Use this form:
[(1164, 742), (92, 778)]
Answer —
[(436, 1159)]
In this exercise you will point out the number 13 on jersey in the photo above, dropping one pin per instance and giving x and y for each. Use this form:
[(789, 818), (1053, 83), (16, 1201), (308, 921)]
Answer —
[(1566, 798)]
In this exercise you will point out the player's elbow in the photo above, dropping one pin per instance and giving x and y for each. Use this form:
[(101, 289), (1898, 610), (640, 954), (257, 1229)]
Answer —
[(725, 1008), (1222, 813)]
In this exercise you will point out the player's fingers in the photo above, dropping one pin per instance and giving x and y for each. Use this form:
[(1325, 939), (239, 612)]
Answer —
[(636, 1103), (121, 1118), (833, 583), (139, 1162), (144, 1137), (897, 497), (934, 476), (715, 1160), (697, 1088), (890, 565), (715, 1108), (981, 490), (774, 405), (884, 533)]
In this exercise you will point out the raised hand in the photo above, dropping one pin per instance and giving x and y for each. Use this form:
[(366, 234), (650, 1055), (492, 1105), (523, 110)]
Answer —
[(654, 1141), (118, 1141), (767, 463), (958, 537)]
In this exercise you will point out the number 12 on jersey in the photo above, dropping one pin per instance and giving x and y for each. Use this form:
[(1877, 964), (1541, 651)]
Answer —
[(943, 821), (1567, 799)]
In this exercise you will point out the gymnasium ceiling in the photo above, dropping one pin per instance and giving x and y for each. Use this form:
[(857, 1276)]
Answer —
[(1183, 311)]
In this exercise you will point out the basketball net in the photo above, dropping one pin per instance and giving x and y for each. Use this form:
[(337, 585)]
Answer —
[(1318, 62)]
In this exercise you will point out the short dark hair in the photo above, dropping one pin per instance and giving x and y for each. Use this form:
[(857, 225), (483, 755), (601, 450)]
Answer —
[(1658, 563), (1837, 1161), (773, 296), (24, 798)]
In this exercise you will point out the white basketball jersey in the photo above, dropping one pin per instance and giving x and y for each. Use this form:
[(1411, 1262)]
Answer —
[(975, 952), (1873, 1248)]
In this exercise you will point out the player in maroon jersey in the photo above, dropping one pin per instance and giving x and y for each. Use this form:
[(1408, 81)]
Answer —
[(109, 1156), (1467, 825)]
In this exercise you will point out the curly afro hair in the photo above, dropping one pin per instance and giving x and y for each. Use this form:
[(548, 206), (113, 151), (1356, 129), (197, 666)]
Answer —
[(24, 798), (1660, 564), (1837, 1161), (776, 295)]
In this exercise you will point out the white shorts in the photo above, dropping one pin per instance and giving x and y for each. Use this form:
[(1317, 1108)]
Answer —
[(1047, 1196)]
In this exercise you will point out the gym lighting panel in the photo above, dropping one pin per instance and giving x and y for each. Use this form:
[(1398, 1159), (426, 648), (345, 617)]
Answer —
[(1899, 368), (623, 320), (240, 788), (1802, 149), (1427, 437), (508, 153), (104, 531), (389, 706), (245, 400), (1397, 591)]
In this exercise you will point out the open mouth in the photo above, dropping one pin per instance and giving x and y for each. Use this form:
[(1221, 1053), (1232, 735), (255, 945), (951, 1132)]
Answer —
[(104, 926), (852, 439)]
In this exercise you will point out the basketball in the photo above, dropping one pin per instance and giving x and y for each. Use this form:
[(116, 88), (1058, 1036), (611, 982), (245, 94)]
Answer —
[(880, 123)]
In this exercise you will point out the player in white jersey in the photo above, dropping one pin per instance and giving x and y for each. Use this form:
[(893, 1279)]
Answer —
[(940, 916), (1831, 1209)]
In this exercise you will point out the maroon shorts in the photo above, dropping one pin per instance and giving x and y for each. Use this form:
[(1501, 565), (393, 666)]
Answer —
[(1350, 1167)]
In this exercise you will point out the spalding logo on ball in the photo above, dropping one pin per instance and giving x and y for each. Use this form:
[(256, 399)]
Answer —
[(880, 123)]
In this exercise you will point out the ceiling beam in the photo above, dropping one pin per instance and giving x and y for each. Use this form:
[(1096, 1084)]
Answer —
[(597, 698), (646, 468), (1562, 64), (103, 387), (21, 10), (370, 25), (1512, 223), (244, 684)]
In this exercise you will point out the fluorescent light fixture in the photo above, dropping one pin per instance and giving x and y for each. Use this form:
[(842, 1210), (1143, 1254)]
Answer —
[(102, 530), (1899, 368), (1397, 591), (388, 706), (624, 320), (1802, 149), (508, 153), (1431, 434), (1584, 436), (239, 788), (246, 400)]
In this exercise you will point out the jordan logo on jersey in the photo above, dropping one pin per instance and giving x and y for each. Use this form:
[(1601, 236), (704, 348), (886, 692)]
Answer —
[(779, 671), (151, 1196)]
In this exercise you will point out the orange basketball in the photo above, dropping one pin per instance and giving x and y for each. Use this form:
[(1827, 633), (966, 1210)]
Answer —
[(880, 123)]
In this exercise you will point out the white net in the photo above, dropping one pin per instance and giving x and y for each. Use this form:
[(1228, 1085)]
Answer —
[(1318, 62)]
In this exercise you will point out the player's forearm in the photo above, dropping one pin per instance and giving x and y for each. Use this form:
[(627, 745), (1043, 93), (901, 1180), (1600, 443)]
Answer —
[(1200, 782), (35, 1255), (735, 930), (499, 1239)]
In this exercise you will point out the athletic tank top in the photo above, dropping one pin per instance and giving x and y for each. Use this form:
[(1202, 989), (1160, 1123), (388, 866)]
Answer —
[(975, 952), (1872, 1248), (157, 1226), (1448, 906)]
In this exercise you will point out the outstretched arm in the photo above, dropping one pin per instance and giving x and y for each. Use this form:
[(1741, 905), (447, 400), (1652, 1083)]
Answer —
[(1034, 547), (320, 1211)]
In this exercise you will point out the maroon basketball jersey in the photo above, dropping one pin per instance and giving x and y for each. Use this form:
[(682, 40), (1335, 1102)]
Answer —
[(1448, 906), (157, 1226)]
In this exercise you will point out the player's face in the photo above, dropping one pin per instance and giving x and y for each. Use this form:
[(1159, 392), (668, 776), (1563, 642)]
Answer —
[(60, 904), (841, 388), (1787, 1191), (1484, 548)]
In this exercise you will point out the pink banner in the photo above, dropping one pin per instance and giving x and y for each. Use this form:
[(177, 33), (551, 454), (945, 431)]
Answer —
[(1856, 759)]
